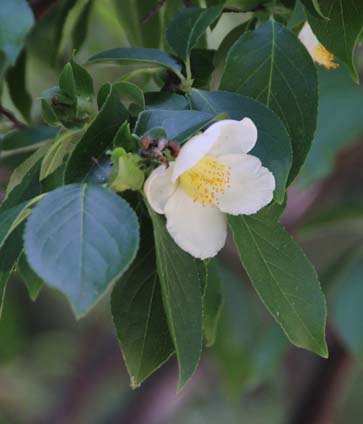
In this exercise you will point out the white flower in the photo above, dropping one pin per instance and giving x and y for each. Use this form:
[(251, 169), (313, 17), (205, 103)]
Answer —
[(317, 51), (212, 175)]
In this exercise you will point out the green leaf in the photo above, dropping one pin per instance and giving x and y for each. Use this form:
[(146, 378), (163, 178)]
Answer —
[(9, 254), (10, 218), (187, 26), (340, 32), (97, 138), (212, 303), (135, 56), (16, 80), (166, 101), (139, 316), (141, 29), (26, 139), (133, 94), (32, 282), (62, 146), (16, 20), (346, 308), (339, 123), (24, 181), (182, 297), (273, 144), (179, 125), (96, 240), (259, 65), (284, 279)]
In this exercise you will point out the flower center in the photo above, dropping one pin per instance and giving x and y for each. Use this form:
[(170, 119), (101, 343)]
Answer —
[(324, 57), (205, 180)]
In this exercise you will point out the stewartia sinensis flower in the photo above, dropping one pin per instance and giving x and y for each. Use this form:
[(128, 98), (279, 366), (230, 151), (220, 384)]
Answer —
[(317, 51), (212, 176)]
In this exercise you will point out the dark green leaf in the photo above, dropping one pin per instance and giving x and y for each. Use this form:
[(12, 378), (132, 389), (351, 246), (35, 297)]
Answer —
[(139, 316), (179, 125), (27, 137), (201, 64), (32, 282), (182, 297), (97, 138), (9, 254), (259, 65), (212, 303), (284, 279), (340, 32), (133, 94), (273, 144), (80, 239), (16, 79), (188, 25), (149, 57), (166, 101)]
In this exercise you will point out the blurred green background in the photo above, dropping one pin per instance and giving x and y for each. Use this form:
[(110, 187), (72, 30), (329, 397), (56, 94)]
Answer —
[(56, 370)]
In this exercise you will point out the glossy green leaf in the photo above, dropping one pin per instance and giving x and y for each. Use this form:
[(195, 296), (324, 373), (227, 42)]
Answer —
[(139, 316), (182, 297), (339, 123), (16, 20), (80, 239), (31, 280), (187, 26), (97, 138), (284, 279), (135, 56), (273, 144), (212, 303), (259, 65), (340, 32), (179, 125), (166, 101), (346, 308)]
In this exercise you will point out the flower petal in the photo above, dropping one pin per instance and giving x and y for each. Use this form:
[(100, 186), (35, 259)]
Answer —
[(197, 229), (192, 152), (159, 187), (308, 38), (251, 185), (233, 136), (221, 138)]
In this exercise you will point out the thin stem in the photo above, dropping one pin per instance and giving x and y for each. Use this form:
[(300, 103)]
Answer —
[(11, 117)]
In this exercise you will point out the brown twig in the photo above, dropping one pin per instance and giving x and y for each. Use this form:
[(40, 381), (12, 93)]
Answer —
[(153, 11), (11, 117)]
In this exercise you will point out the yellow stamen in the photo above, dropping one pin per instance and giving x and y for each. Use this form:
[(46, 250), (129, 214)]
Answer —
[(206, 180), (323, 57)]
